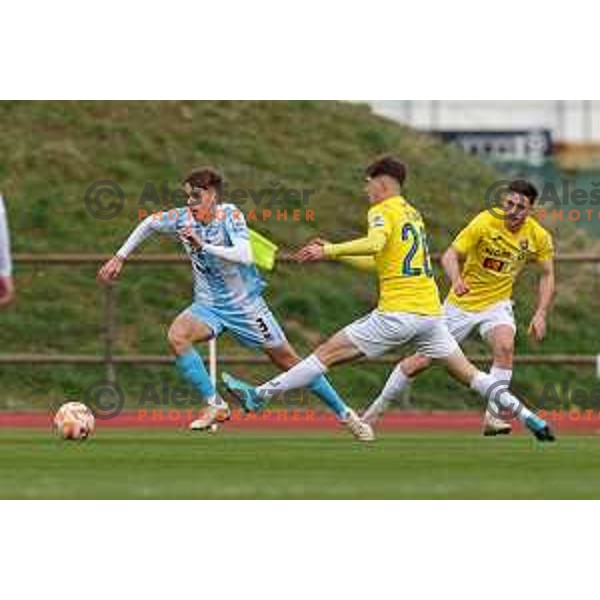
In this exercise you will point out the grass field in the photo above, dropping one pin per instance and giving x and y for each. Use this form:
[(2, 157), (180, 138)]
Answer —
[(176, 464)]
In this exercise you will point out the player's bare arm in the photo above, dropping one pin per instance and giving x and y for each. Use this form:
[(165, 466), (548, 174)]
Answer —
[(451, 260), (537, 327), (111, 270)]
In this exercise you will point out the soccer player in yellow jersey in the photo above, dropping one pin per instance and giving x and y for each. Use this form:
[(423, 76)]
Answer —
[(409, 308), (495, 246)]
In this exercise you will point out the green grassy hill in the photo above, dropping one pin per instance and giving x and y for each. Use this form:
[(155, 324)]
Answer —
[(50, 152)]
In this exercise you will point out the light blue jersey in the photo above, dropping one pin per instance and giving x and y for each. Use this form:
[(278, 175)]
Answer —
[(217, 282), (227, 294)]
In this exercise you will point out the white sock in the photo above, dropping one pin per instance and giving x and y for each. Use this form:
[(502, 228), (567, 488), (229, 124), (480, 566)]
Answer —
[(299, 376), (216, 401), (497, 392), (499, 374), (396, 382)]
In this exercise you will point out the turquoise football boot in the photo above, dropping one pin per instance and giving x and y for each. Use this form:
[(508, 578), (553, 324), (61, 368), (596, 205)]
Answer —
[(244, 392)]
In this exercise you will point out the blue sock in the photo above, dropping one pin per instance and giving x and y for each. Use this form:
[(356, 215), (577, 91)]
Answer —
[(535, 423), (192, 369), (326, 392)]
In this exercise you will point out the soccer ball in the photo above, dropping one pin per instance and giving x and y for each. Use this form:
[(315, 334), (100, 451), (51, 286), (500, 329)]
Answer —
[(74, 421)]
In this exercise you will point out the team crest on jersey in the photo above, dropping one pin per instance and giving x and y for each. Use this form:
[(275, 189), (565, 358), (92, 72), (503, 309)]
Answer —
[(523, 248), (377, 221)]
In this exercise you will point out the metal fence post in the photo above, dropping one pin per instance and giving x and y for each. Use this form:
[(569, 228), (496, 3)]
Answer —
[(110, 329), (212, 360)]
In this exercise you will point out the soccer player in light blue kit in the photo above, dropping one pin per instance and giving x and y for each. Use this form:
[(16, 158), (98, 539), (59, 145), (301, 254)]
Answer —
[(227, 293)]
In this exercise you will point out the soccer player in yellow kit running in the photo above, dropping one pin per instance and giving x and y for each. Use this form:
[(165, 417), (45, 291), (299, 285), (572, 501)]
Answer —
[(409, 308), (495, 246)]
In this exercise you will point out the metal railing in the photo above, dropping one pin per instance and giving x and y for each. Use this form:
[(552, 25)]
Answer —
[(110, 360)]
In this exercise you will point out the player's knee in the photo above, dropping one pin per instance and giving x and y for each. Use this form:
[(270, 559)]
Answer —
[(288, 360), (179, 342), (326, 354), (284, 357), (503, 354), (415, 364)]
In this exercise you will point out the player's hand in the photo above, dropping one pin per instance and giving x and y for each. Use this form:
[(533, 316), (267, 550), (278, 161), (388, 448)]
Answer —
[(537, 327), (460, 287), (188, 235), (7, 290), (312, 252), (110, 271)]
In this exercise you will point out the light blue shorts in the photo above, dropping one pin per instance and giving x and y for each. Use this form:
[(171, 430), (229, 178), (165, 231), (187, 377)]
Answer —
[(252, 324)]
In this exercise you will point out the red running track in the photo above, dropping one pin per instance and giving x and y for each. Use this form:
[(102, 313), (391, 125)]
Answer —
[(573, 421)]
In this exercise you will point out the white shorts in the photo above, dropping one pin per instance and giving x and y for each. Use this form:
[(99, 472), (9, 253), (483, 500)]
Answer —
[(379, 332), (462, 322)]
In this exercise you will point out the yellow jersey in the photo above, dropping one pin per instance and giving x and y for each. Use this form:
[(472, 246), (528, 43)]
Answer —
[(401, 259), (494, 257)]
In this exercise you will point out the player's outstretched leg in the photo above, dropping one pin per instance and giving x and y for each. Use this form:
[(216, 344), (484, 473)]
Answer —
[(337, 349), (285, 357), (183, 332), (398, 380), (496, 392)]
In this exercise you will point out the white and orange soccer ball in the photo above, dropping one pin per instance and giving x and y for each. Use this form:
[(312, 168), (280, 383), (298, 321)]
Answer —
[(74, 421)]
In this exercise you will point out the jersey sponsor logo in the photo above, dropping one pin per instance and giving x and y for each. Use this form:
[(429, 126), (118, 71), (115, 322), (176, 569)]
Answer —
[(493, 264), (497, 252)]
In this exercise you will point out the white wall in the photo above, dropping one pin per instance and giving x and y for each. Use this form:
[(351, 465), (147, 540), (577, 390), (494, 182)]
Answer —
[(569, 120)]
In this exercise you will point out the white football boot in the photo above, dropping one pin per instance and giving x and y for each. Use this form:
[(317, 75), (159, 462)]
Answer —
[(494, 426), (210, 417), (362, 431)]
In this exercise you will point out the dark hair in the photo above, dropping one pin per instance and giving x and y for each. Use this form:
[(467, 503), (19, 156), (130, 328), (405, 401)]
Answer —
[(390, 166), (204, 177), (524, 188)]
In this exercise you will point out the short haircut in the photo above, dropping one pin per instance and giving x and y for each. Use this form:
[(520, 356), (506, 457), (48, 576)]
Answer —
[(204, 177), (524, 188), (390, 166)]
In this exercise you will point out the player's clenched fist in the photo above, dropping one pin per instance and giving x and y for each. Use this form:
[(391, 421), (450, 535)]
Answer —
[(187, 234), (111, 270), (460, 287)]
